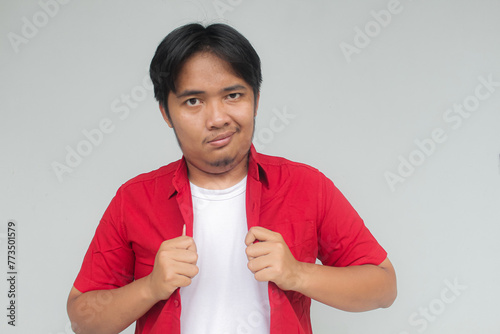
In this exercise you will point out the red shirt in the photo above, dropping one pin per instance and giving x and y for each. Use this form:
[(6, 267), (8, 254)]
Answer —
[(296, 200)]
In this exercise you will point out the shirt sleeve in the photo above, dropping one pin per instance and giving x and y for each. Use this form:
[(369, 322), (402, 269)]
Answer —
[(109, 261), (343, 238)]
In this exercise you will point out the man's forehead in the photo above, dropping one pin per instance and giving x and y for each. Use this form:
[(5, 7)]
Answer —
[(201, 62), (204, 72)]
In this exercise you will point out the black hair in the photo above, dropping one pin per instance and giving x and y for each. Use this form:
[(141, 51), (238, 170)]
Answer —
[(220, 39)]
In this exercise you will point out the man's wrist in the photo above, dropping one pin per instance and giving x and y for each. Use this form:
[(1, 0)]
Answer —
[(301, 279), (147, 289)]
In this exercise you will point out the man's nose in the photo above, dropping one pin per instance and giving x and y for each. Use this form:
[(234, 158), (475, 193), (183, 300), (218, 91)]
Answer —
[(217, 115)]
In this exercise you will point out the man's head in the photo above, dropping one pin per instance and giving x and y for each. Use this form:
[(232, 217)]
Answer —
[(207, 82), (220, 39)]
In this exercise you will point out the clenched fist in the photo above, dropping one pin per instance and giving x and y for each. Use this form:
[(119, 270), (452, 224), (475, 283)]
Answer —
[(174, 267), (270, 259)]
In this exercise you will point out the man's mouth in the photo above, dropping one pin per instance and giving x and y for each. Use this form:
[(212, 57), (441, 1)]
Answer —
[(221, 139)]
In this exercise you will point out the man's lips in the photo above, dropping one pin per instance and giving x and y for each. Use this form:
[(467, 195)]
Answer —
[(222, 139)]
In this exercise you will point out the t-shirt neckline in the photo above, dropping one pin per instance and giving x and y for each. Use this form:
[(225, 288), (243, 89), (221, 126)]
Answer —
[(219, 194)]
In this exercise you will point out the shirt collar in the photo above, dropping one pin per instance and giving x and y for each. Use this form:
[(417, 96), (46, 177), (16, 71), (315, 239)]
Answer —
[(180, 179), (255, 170)]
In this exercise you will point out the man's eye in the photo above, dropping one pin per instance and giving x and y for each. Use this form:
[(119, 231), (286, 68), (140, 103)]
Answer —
[(192, 102), (234, 96)]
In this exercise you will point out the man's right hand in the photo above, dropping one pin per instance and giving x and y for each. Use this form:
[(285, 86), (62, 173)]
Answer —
[(174, 267)]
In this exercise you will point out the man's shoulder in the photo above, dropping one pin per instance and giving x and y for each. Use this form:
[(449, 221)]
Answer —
[(275, 163), (163, 174), (280, 171)]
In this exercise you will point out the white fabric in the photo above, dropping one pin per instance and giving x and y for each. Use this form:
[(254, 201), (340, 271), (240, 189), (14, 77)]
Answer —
[(224, 297)]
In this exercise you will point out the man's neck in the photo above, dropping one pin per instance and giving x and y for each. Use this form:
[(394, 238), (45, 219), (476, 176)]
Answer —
[(221, 180)]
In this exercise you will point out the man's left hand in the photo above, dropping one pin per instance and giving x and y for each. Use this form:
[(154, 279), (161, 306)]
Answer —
[(270, 259)]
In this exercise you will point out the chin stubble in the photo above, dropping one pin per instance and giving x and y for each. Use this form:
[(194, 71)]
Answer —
[(221, 162)]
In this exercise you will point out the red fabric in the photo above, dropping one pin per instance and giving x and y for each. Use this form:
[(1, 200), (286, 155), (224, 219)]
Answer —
[(296, 200)]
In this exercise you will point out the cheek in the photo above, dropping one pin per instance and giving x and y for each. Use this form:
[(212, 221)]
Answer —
[(251, 122), (187, 132), (245, 116), (189, 123)]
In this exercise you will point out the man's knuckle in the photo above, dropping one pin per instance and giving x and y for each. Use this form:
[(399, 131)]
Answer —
[(163, 256), (280, 246), (186, 281)]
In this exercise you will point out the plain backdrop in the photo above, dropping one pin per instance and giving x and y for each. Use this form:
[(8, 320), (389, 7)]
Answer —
[(375, 96)]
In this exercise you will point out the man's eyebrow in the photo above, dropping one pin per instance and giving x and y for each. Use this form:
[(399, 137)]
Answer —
[(234, 87), (188, 92)]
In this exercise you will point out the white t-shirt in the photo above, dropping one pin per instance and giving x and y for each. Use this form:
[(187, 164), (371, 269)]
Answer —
[(224, 297)]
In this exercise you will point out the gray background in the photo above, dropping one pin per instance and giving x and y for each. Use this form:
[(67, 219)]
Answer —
[(354, 118)]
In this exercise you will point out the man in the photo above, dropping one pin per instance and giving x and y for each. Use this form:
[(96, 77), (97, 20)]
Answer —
[(225, 239)]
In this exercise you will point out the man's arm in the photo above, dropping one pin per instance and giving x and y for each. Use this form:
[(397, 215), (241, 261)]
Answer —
[(355, 288), (111, 311)]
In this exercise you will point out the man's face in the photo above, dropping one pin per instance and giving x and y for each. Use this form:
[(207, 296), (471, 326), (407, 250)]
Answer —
[(212, 114)]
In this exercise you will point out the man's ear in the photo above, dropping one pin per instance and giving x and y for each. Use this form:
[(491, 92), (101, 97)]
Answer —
[(165, 117), (256, 104)]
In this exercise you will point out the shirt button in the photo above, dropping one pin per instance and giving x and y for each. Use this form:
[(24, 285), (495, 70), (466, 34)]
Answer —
[(176, 303)]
